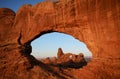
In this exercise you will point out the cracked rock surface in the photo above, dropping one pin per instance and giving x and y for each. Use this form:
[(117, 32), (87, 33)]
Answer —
[(94, 22)]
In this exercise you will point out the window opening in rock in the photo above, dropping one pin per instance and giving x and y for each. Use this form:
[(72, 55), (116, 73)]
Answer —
[(60, 48)]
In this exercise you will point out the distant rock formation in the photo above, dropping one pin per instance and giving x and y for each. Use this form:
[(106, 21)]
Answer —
[(46, 60), (71, 60), (67, 60), (60, 53)]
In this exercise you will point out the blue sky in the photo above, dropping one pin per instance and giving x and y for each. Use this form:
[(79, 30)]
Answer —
[(15, 4), (48, 44)]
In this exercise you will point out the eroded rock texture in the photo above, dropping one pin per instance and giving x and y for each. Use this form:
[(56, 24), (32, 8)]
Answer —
[(60, 53), (95, 22), (65, 60)]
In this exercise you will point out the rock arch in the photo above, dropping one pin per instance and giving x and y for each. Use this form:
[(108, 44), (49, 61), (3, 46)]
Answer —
[(94, 22)]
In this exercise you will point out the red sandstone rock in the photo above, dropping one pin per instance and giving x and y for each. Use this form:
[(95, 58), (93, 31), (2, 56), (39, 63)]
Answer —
[(46, 60), (54, 60), (67, 60), (71, 60), (94, 22), (60, 53)]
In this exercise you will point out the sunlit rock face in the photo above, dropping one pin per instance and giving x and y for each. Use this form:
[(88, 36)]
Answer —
[(60, 53), (95, 22), (66, 60)]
